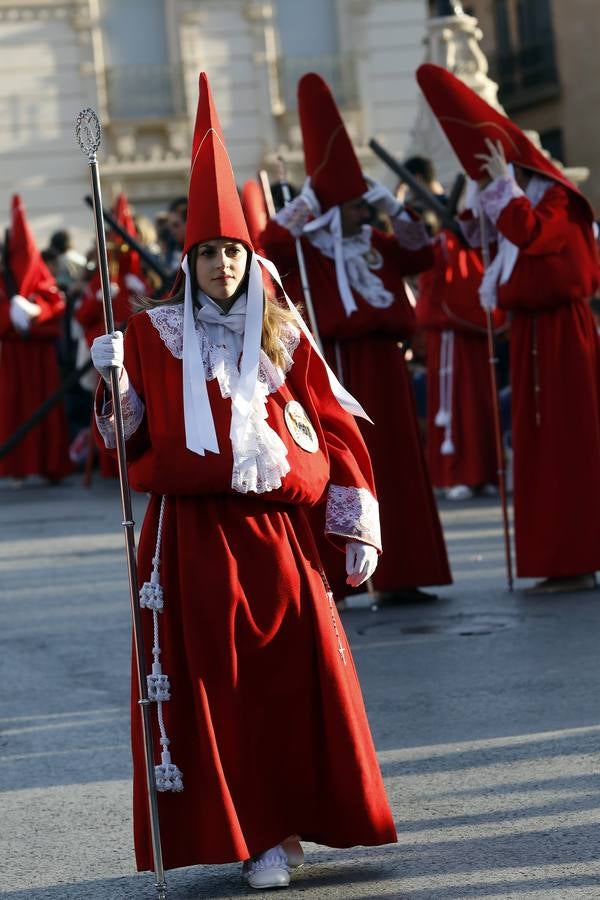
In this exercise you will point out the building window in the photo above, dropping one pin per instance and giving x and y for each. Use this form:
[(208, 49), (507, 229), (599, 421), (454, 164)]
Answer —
[(140, 80), (552, 141), (309, 42), (524, 64)]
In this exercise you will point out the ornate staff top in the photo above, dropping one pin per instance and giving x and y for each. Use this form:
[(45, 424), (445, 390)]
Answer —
[(88, 132)]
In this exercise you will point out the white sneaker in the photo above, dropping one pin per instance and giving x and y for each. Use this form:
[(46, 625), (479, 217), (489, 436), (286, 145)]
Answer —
[(459, 492), (268, 869)]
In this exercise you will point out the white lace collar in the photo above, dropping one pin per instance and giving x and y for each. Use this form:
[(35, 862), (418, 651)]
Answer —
[(260, 460)]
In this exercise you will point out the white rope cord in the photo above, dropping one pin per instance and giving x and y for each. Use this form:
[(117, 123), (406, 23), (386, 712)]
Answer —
[(443, 418), (168, 777)]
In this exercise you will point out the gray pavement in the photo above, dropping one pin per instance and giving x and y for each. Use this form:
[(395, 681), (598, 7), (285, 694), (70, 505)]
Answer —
[(485, 708)]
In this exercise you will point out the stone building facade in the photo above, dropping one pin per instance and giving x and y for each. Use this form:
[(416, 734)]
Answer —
[(137, 64)]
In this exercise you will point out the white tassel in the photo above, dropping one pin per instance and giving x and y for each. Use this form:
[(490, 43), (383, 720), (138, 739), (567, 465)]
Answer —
[(167, 775), (159, 687), (448, 448), (151, 592), (442, 419)]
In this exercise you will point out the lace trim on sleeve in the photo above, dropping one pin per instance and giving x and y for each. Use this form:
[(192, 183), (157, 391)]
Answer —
[(497, 195), (294, 216), (133, 413), (353, 513), (410, 234)]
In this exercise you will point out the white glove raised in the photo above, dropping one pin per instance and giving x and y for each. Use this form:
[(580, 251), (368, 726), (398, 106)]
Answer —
[(310, 198), (382, 198), (494, 162), (107, 353), (114, 290), (135, 284), (361, 562), (22, 311)]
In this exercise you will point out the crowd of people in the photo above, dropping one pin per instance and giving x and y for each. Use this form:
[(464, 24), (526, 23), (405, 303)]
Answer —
[(239, 392)]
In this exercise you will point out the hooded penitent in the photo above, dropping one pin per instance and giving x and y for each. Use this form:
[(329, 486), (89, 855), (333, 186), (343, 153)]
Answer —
[(255, 210), (27, 267), (329, 156), (468, 120), (215, 211)]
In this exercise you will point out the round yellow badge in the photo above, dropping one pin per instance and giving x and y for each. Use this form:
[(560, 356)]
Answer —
[(299, 426)]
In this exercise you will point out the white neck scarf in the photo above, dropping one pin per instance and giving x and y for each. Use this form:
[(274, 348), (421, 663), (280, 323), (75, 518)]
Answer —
[(199, 424), (351, 267), (500, 270)]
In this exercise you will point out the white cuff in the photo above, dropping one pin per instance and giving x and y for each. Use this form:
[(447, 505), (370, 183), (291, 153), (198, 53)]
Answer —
[(498, 194), (133, 412), (353, 513), (294, 215), (410, 233)]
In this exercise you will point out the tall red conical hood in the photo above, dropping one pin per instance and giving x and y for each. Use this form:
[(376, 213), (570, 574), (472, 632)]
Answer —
[(329, 156), (468, 120), (214, 208), (255, 210), (27, 267)]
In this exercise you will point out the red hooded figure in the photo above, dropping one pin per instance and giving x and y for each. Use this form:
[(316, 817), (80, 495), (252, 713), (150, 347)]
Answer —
[(544, 272), (31, 309), (356, 277), (264, 736)]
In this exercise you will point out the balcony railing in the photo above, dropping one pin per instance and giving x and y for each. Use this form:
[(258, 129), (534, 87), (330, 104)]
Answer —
[(145, 92), (338, 70), (526, 75)]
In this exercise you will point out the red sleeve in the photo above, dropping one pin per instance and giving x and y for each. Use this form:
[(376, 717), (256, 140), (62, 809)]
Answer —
[(51, 301), (538, 230)]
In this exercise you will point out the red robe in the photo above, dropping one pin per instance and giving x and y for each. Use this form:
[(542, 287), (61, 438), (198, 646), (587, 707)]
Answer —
[(374, 370), (266, 721), (28, 374), (556, 429), (449, 302)]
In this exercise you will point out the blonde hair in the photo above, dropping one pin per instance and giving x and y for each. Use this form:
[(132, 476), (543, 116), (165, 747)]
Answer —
[(275, 316)]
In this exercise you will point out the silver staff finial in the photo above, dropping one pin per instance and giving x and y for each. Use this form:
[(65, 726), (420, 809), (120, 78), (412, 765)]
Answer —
[(88, 132)]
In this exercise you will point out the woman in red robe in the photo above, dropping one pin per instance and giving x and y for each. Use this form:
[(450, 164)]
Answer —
[(30, 323), (460, 418), (363, 315), (234, 443)]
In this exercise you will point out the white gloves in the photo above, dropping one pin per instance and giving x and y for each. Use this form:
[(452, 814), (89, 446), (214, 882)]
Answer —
[(381, 198), (22, 311), (361, 562), (310, 198), (135, 284), (107, 353), (114, 290), (494, 162)]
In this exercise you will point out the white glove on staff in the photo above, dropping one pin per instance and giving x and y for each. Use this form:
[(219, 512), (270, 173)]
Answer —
[(361, 562), (107, 353), (382, 198), (22, 312), (494, 162)]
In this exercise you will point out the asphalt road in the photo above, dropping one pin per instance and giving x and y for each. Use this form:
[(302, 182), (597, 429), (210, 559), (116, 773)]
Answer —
[(485, 708)]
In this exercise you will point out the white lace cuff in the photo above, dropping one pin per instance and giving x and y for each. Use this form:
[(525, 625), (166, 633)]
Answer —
[(497, 195), (133, 413), (294, 216), (353, 513), (410, 233), (471, 228)]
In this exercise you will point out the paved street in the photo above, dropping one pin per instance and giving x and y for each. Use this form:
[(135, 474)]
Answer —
[(485, 708)]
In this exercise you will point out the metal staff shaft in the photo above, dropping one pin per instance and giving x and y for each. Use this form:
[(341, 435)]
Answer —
[(88, 135), (485, 253), (310, 309)]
